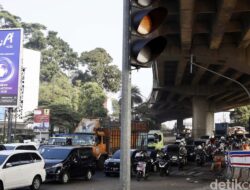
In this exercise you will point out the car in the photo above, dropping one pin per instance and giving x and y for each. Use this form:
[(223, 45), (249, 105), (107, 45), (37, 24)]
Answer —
[(112, 164), (21, 168), (20, 146), (2, 147), (65, 162)]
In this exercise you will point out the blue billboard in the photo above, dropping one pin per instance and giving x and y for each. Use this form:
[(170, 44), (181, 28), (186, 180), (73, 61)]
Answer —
[(10, 64)]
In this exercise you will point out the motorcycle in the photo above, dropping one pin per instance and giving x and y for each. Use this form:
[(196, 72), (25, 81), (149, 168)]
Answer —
[(142, 160), (182, 157), (200, 157), (164, 165), (141, 171)]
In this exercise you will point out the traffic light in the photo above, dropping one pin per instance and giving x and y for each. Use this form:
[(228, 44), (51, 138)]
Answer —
[(145, 44)]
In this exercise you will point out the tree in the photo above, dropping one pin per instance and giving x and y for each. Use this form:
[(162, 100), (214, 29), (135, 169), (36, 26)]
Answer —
[(241, 115), (136, 96), (64, 117), (92, 101), (116, 108), (34, 36), (57, 57), (60, 92), (98, 63), (8, 20)]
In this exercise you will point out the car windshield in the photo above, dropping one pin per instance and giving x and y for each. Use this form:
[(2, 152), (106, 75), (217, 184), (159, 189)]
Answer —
[(9, 147), (55, 153), (116, 155), (79, 139), (87, 139), (3, 158), (151, 138)]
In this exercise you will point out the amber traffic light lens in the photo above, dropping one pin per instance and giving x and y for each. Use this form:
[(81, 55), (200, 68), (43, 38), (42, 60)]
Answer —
[(145, 25)]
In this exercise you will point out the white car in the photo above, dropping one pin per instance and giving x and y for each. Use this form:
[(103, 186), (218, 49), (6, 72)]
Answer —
[(20, 146), (21, 168)]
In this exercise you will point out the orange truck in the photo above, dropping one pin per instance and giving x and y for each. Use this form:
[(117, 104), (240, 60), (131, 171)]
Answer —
[(106, 140)]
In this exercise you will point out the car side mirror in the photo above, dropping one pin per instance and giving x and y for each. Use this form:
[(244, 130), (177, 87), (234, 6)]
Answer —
[(8, 165)]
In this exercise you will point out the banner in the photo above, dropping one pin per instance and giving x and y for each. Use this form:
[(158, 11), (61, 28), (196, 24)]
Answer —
[(240, 158), (41, 120), (10, 65)]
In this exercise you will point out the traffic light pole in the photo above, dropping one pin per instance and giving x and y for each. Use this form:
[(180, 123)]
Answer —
[(126, 102)]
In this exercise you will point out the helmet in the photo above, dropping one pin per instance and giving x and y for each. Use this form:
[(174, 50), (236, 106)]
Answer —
[(222, 138), (199, 147), (182, 143)]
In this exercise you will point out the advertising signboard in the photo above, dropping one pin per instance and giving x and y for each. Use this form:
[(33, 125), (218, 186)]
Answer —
[(10, 66), (41, 120)]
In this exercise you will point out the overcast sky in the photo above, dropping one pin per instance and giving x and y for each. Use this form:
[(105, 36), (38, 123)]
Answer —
[(83, 24)]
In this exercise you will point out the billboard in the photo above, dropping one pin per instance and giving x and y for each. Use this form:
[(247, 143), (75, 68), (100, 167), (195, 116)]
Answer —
[(10, 66), (41, 120)]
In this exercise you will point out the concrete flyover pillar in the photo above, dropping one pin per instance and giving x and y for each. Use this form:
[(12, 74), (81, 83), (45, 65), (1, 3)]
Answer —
[(180, 126), (203, 117)]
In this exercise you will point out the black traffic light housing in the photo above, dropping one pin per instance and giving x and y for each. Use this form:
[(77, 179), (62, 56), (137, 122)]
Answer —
[(146, 20)]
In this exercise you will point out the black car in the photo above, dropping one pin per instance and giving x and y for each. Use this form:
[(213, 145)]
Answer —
[(2, 147), (65, 162), (112, 165)]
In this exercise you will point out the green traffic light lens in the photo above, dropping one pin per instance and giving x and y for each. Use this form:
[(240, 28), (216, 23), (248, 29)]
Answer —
[(146, 51), (144, 55)]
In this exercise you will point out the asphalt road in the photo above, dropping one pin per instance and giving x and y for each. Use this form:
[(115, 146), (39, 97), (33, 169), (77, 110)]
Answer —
[(191, 178)]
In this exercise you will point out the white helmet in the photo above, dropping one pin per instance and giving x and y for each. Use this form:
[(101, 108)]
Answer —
[(199, 147), (182, 144)]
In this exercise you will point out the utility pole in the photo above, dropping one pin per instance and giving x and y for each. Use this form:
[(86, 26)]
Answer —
[(4, 125), (126, 102), (10, 115)]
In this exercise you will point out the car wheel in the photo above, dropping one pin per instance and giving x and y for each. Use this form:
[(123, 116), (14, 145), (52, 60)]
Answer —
[(65, 178), (100, 163), (36, 183), (88, 176), (1, 186), (107, 174)]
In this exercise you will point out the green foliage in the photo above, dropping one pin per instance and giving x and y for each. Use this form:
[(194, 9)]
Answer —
[(66, 58), (116, 108), (92, 100), (64, 117), (59, 91), (34, 36), (241, 115), (136, 96), (106, 75), (9, 21)]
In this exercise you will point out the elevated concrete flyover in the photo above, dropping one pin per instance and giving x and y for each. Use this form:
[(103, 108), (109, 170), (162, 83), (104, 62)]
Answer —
[(217, 33)]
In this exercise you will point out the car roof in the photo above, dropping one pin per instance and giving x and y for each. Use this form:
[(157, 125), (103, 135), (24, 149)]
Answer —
[(10, 152), (66, 147), (18, 144)]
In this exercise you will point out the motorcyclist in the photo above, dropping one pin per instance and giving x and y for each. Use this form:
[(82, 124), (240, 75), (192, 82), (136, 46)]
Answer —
[(142, 156), (182, 154), (200, 155)]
